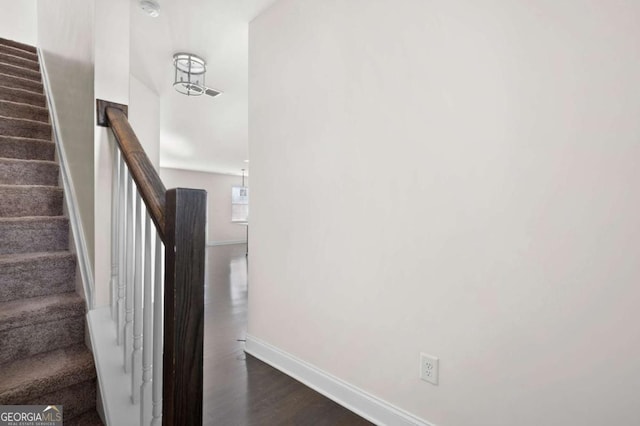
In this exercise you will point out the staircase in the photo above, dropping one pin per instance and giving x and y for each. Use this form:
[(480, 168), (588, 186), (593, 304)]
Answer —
[(43, 358)]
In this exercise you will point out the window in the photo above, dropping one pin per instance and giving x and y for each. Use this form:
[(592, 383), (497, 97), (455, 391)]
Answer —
[(239, 204)]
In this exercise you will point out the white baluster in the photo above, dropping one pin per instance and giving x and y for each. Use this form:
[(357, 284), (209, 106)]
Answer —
[(122, 249), (131, 249), (115, 198), (158, 307), (147, 336), (136, 357)]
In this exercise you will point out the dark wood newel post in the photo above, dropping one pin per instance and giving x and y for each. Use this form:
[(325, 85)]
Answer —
[(185, 221)]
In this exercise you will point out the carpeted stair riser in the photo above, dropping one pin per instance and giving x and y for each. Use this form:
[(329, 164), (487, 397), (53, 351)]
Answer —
[(18, 343), (39, 310), (26, 149), (75, 400), (34, 234), (32, 326), (25, 111), (24, 128), (30, 200), (18, 45), (90, 418), (8, 50), (36, 274), (26, 379), (20, 72), (22, 96), (21, 83), (28, 172), (19, 62)]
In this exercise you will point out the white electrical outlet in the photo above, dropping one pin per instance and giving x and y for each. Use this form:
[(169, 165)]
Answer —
[(429, 368)]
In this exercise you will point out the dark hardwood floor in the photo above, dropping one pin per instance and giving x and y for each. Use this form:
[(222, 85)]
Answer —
[(238, 388)]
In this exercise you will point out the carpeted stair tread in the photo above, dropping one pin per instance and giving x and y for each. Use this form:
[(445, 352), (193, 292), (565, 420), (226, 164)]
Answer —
[(23, 96), (30, 200), (7, 80), (26, 379), (8, 50), (40, 324), (34, 234), (26, 275), (14, 109), (19, 61), (14, 171), (26, 148), (20, 72), (18, 45), (90, 418), (37, 310)]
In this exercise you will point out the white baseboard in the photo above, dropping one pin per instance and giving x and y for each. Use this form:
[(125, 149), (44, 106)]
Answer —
[(77, 230), (360, 402), (226, 243)]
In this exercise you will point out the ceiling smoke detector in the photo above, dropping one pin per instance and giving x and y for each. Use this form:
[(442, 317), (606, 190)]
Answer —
[(151, 7), (189, 75)]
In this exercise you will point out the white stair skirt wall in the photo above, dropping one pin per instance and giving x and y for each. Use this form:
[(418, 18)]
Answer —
[(115, 384), (77, 230), (360, 402)]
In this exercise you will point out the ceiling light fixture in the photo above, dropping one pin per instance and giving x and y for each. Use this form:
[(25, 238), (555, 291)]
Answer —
[(189, 75), (151, 7)]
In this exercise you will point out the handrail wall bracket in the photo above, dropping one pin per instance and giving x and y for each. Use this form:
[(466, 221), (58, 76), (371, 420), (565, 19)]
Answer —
[(101, 111)]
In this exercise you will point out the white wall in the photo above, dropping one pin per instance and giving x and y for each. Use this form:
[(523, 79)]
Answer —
[(218, 187), (65, 37), (19, 21), (458, 178), (144, 116), (112, 84)]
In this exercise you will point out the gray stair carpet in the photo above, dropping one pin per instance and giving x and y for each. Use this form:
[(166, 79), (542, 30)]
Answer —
[(43, 358)]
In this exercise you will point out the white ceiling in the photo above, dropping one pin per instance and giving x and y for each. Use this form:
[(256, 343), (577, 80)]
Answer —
[(198, 133)]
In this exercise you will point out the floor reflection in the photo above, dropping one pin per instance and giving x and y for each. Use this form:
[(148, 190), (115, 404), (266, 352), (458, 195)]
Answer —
[(241, 390)]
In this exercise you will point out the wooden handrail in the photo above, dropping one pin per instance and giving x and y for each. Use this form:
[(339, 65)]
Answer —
[(149, 184)]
